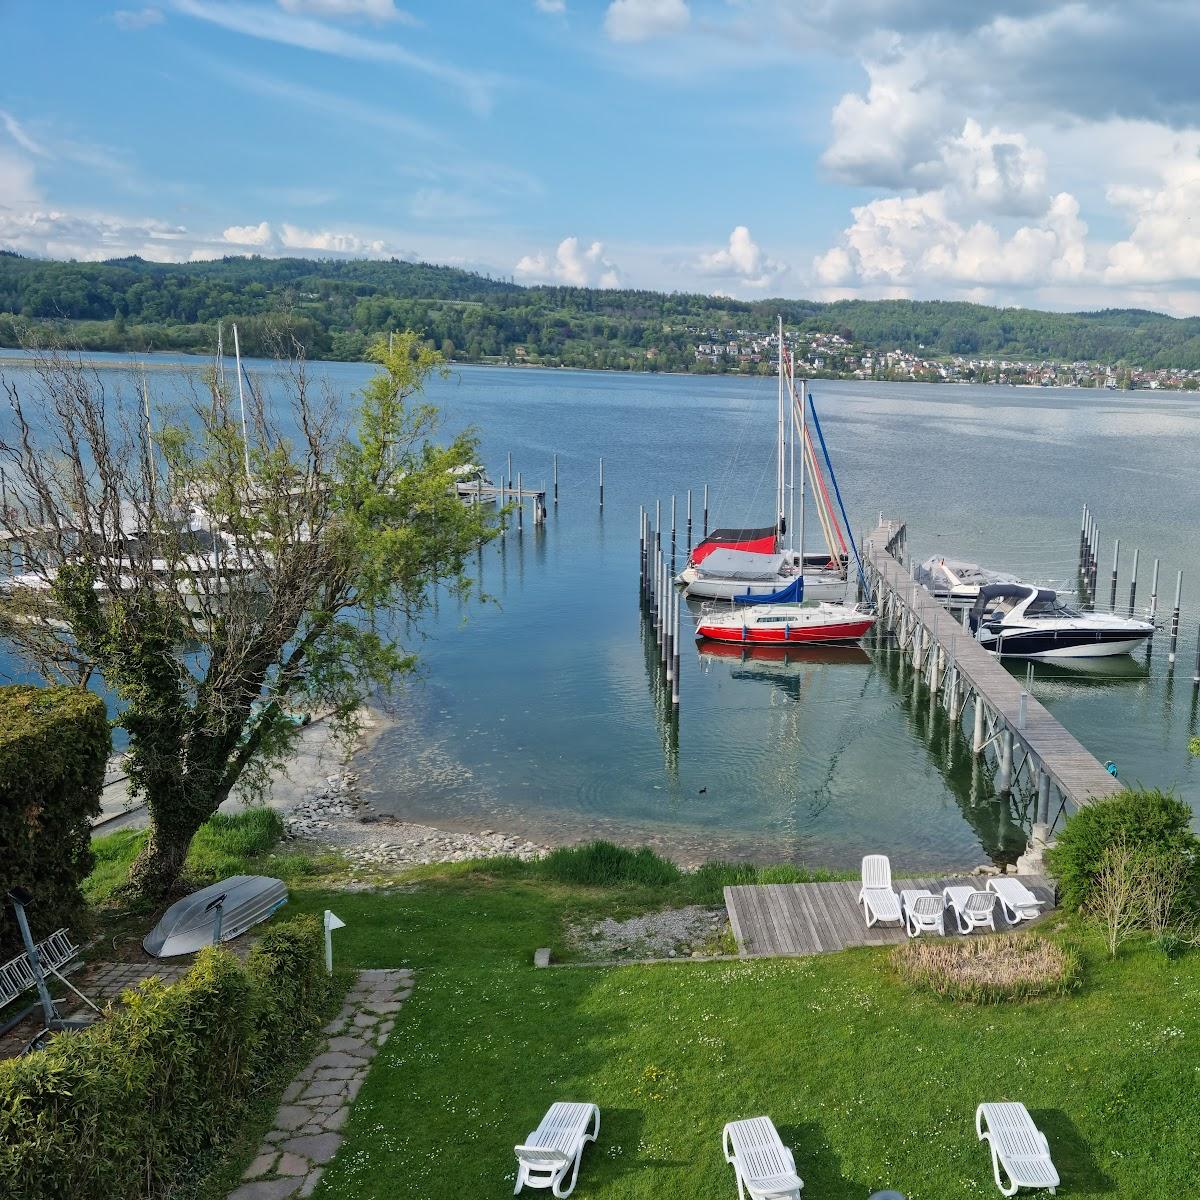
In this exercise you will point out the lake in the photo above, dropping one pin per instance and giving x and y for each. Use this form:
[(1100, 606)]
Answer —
[(539, 711)]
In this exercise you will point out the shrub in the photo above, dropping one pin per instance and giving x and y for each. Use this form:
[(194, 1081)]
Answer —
[(161, 1081), (603, 864), (54, 745), (1148, 823), (987, 970)]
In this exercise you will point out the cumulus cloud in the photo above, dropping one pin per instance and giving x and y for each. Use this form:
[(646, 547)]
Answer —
[(571, 265), (741, 260), (248, 235), (293, 238), (913, 240), (641, 20), (1163, 245), (133, 19), (56, 233)]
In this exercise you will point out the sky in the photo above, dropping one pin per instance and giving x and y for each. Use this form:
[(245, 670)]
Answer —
[(1031, 152)]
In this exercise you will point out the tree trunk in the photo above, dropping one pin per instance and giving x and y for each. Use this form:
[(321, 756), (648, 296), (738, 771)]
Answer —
[(159, 864)]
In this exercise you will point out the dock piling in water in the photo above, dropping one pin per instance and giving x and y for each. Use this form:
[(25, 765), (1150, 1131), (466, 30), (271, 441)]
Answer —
[(1112, 599), (1175, 620), (1154, 591), (602, 483), (1133, 581), (706, 510), (689, 521), (520, 505), (672, 535), (556, 481)]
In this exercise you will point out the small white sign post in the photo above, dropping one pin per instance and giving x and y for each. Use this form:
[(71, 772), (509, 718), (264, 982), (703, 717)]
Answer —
[(332, 922)]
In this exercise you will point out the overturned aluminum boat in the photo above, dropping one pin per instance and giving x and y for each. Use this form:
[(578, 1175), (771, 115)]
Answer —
[(217, 913)]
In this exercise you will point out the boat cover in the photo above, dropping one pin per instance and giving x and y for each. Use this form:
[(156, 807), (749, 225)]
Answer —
[(756, 541), (792, 594), (724, 563), (188, 925)]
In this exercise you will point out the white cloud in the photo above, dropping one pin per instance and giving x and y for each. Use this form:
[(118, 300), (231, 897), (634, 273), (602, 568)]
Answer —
[(56, 233), (994, 171), (330, 241), (550, 6), (741, 260), (248, 235), (20, 135), (372, 10), (1164, 244), (308, 34), (132, 19), (571, 265), (18, 181), (640, 20), (914, 240)]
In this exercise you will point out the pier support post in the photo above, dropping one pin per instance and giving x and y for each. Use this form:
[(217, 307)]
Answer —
[(1175, 619), (672, 535), (675, 642), (977, 736), (642, 549), (1112, 599), (1154, 591), (1133, 582), (1004, 774), (689, 520), (955, 701), (1043, 798), (520, 505), (602, 483), (556, 481), (706, 510)]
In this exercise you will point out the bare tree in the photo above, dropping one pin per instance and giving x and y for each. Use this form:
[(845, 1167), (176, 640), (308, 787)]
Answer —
[(218, 564), (1118, 893)]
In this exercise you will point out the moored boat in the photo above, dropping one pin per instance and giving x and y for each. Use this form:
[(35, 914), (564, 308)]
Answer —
[(956, 583), (1021, 621), (784, 624)]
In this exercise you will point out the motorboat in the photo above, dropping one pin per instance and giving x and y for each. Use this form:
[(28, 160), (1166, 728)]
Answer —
[(956, 583), (784, 624), (471, 482), (1022, 621), (215, 914)]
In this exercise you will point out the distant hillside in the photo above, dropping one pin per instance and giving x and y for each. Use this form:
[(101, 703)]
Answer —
[(335, 306)]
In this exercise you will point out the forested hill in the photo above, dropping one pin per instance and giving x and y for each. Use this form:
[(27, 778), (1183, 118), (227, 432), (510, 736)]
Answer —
[(336, 305)]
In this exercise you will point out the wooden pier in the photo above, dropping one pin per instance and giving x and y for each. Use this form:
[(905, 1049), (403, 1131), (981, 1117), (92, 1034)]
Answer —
[(774, 919), (1011, 729)]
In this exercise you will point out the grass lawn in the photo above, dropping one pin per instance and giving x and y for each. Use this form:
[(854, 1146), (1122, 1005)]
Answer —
[(871, 1083)]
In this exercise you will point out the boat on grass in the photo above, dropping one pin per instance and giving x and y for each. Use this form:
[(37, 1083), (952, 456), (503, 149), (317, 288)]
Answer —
[(214, 914)]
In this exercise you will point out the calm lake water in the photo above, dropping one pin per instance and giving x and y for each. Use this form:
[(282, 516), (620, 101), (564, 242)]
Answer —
[(541, 713)]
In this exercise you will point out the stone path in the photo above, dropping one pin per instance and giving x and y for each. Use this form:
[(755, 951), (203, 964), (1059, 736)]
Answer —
[(306, 1132)]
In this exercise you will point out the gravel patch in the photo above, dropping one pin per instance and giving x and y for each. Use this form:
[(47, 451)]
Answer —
[(673, 933)]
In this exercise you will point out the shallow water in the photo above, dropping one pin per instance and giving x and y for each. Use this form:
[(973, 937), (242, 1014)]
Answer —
[(541, 711)]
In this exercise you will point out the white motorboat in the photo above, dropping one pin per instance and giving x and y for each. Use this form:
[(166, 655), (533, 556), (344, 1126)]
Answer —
[(1020, 621), (956, 583)]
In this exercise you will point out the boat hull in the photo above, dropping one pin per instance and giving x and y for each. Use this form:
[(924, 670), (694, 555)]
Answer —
[(1064, 644), (816, 587), (189, 924), (802, 635)]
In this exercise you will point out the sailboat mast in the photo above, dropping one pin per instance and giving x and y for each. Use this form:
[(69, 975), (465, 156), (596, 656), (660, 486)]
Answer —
[(237, 351), (779, 513), (803, 393)]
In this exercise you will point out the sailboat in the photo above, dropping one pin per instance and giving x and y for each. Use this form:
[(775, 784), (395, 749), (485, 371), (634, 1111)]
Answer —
[(736, 562)]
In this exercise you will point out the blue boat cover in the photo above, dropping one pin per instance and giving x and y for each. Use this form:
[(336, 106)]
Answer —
[(792, 594)]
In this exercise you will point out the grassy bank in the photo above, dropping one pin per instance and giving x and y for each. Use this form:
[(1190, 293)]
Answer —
[(873, 1081)]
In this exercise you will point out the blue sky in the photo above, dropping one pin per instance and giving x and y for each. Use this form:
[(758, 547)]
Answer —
[(1026, 151)]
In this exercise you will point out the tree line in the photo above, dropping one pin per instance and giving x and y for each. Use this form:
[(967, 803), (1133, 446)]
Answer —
[(336, 306)]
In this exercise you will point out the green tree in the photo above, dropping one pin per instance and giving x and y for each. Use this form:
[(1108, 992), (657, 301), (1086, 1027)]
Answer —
[(320, 535)]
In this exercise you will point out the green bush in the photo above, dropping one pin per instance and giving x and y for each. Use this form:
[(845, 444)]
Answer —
[(54, 745), (157, 1085), (601, 864), (1149, 823)]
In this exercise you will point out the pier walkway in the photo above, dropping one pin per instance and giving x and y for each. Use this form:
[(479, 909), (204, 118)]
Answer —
[(1021, 738), (775, 919)]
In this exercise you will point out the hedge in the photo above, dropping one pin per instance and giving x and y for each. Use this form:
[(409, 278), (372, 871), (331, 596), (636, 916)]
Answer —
[(137, 1101), (54, 746)]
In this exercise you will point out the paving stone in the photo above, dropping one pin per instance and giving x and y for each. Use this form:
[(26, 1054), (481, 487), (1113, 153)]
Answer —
[(310, 1184), (274, 1136), (330, 1104), (320, 1147), (336, 1120), (266, 1189), (388, 1006), (313, 1126), (352, 1088), (335, 1026), (335, 1073), (292, 1116), (292, 1090), (348, 1045), (293, 1164), (332, 1058), (261, 1165), (323, 1087), (365, 1019)]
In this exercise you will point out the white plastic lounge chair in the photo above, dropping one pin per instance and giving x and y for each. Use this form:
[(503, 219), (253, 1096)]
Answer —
[(1018, 1146), (1016, 900), (555, 1147), (877, 898), (763, 1165), (923, 912), (972, 909)]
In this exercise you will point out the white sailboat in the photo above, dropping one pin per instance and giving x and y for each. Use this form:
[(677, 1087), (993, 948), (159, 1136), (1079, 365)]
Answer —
[(730, 570)]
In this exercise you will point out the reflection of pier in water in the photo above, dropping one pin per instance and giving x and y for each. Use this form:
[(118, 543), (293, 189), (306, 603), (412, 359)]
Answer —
[(1000, 822), (666, 714)]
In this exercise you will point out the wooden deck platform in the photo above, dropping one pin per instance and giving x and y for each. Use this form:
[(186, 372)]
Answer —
[(777, 919)]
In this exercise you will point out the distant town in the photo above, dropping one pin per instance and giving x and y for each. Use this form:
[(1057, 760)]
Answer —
[(831, 356)]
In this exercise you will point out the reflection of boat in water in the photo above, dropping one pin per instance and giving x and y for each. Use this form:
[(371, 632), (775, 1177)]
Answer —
[(1119, 668), (773, 659)]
